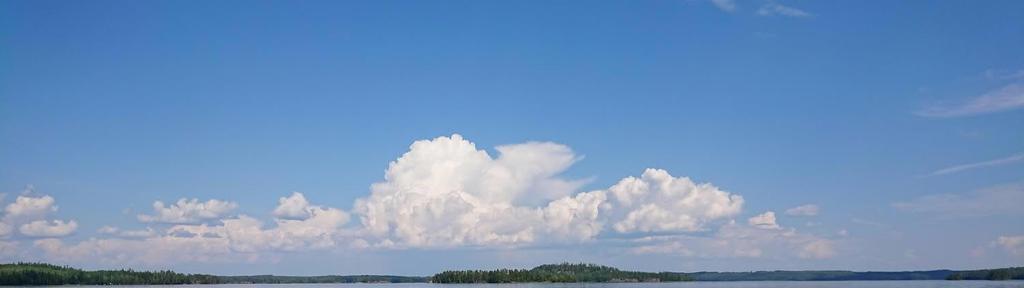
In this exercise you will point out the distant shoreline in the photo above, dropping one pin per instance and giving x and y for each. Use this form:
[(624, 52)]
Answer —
[(33, 274)]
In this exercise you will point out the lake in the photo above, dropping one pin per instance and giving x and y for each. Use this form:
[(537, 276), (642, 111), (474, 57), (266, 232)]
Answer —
[(738, 284)]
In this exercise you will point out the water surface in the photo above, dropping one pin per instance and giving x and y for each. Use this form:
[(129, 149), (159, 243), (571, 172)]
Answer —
[(736, 284)]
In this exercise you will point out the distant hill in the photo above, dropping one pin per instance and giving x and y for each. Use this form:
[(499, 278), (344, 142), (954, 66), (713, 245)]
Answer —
[(1015, 273), (564, 272)]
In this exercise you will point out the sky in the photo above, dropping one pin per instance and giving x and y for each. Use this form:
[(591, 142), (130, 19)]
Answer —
[(410, 137)]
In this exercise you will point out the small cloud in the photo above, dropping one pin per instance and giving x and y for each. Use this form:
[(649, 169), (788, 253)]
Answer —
[(995, 162), (775, 9), (107, 230), (114, 231), (28, 207), (43, 228), (1013, 244), (188, 211), (764, 221), (294, 207), (1006, 98), (725, 5), (803, 210)]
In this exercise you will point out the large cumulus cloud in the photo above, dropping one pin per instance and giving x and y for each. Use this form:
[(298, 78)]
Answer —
[(447, 192)]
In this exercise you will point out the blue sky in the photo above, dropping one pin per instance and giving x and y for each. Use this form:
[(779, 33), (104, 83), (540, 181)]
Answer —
[(899, 122)]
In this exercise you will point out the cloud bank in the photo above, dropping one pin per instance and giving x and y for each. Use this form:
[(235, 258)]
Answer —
[(804, 210), (446, 193), (1013, 244)]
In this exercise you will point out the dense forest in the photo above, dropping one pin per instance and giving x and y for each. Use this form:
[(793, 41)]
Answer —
[(46, 274), (596, 273), (1016, 273), (564, 272)]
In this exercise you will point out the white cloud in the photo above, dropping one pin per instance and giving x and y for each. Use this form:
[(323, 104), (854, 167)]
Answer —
[(28, 214), (43, 228), (804, 210), (725, 5), (114, 231), (775, 9), (292, 207), (321, 229), (1013, 244), (188, 211), (659, 202), (242, 238), (995, 162), (108, 230), (1000, 200), (765, 220), (445, 192), (575, 218), (317, 231), (30, 208), (1006, 98)]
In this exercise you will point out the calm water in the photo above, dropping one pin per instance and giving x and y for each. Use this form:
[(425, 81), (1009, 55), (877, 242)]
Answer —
[(757, 284)]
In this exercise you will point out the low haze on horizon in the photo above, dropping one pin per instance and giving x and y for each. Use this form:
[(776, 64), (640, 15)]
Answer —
[(410, 137)]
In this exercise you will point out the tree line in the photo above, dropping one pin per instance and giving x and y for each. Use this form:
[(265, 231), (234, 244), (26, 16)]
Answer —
[(30, 274), (273, 279), (47, 274), (1015, 273), (25, 274), (565, 272)]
